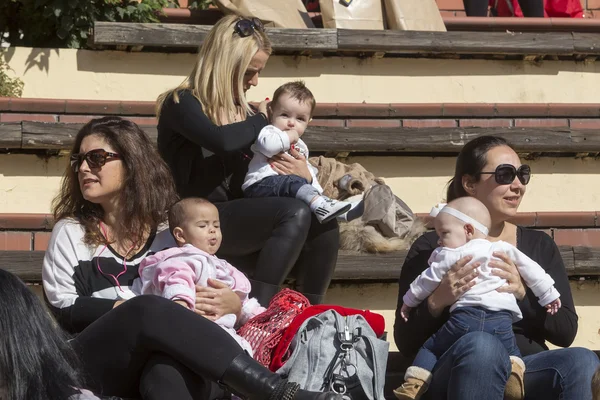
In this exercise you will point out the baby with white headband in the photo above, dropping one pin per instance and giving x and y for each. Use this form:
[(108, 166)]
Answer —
[(462, 227)]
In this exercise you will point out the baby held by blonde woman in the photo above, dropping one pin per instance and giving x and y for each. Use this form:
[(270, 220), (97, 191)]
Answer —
[(462, 227)]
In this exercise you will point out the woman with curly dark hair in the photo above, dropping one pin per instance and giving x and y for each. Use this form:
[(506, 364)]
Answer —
[(110, 215)]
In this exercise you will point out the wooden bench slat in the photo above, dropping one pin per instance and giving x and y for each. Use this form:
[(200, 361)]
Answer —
[(360, 41), (57, 135), (351, 266), (10, 135), (183, 35), (456, 42)]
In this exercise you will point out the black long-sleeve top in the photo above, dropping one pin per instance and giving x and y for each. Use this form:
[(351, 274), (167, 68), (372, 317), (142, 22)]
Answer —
[(531, 332), (206, 160)]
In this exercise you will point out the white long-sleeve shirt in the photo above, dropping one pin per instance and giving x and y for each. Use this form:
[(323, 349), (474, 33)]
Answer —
[(484, 293), (272, 141)]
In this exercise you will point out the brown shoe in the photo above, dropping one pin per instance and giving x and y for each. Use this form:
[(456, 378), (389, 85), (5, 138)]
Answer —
[(411, 389), (515, 387)]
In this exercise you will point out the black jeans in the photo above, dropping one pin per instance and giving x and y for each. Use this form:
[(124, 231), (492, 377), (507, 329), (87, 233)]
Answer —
[(271, 237), (155, 347), (479, 8), (276, 186)]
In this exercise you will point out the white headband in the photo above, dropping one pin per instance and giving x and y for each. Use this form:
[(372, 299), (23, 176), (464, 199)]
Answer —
[(443, 208)]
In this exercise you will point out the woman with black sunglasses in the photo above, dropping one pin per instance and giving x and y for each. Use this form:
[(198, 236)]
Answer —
[(110, 214), (477, 365), (205, 130)]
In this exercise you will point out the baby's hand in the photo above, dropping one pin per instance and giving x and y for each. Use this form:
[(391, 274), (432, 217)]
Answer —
[(553, 307), (293, 135), (405, 312)]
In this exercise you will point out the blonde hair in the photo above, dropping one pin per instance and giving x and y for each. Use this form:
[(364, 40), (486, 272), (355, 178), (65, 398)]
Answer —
[(223, 55)]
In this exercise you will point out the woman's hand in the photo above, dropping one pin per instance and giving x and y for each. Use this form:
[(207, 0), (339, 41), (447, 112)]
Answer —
[(505, 268), (459, 279), (263, 107), (216, 300), (291, 164)]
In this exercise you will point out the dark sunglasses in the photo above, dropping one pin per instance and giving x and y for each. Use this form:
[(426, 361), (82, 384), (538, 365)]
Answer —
[(95, 158), (505, 174), (246, 27)]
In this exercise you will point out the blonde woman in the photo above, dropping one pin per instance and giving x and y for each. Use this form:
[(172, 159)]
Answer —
[(205, 131)]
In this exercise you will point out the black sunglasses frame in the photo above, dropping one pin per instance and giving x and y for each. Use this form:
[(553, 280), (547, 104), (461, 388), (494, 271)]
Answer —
[(102, 157), (523, 173), (246, 27)]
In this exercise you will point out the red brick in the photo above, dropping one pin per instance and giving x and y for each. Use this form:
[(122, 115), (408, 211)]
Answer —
[(469, 110), (585, 123), (416, 110), (485, 123), (568, 219), (5, 103), (40, 240), (143, 121), (446, 13), (138, 107), (577, 237), (573, 110), (38, 105), (593, 4), (363, 110), (93, 107), (334, 123), (539, 122), (450, 4), (373, 123), (325, 110), (460, 13), (429, 123), (76, 119), (521, 110), (25, 221), (15, 241), (27, 117), (524, 219)]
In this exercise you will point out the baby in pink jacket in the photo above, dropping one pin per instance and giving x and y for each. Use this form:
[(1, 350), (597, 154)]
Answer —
[(174, 273)]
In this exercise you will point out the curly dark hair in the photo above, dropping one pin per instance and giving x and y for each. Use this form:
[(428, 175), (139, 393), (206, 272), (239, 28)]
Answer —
[(148, 188)]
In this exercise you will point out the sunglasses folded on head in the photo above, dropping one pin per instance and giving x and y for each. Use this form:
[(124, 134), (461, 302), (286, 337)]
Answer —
[(505, 174), (95, 158), (246, 27)]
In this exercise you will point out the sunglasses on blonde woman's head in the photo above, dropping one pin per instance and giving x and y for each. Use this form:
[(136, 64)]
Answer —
[(505, 174), (95, 158), (246, 27)]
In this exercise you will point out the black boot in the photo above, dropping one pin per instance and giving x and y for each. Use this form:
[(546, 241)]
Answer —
[(263, 292), (314, 298), (248, 379)]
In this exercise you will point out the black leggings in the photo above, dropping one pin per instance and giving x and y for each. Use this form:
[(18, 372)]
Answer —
[(153, 346), (269, 237), (479, 8)]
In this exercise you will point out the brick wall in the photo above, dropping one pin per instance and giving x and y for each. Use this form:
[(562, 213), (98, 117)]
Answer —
[(483, 115), (26, 232)]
